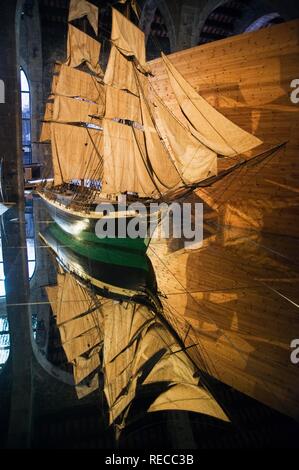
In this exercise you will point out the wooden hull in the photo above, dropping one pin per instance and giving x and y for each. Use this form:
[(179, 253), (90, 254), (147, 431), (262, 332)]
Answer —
[(82, 225)]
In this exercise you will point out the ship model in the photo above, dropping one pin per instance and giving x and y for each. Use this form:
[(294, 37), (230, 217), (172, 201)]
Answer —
[(112, 136), (117, 342), (109, 271)]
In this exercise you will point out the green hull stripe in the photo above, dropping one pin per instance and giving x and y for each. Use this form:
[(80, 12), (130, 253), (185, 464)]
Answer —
[(110, 253), (138, 244)]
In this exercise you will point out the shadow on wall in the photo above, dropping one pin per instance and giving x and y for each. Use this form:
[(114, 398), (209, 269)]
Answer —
[(240, 291)]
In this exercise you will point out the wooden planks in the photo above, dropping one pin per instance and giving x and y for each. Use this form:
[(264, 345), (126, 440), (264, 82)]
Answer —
[(248, 78), (239, 293)]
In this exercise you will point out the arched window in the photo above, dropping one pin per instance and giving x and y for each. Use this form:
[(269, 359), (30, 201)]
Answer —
[(26, 119), (31, 254), (4, 340), (30, 240), (264, 22), (233, 17)]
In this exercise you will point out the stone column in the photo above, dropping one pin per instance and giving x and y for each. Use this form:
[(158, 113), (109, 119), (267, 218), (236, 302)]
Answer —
[(13, 231), (10, 109), (17, 296)]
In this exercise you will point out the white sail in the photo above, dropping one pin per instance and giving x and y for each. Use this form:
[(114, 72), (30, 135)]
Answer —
[(128, 38), (80, 8), (80, 321), (125, 161), (68, 299), (84, 366), (123, 324), (123, 327), (164, 171), (188, 397), (53, 297), (140, 350), (127, 43), (75, 83), (74, 308), (82, 49), (45, 133), (194, 161), (120, 72), (76, 152), (208, 125), (81, 344), (79, 325), (56, 71), (70, 110), (122, 105), (76, 97), (137, 348)]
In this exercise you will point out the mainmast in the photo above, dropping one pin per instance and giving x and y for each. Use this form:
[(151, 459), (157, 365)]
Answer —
[(144, 148), (145, 167), (163, 152)]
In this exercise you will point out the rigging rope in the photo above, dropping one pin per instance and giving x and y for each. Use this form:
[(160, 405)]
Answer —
[(141, 89), (188, 293)]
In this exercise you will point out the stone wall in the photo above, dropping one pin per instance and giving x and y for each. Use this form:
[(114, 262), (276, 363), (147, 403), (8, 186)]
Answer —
[(31, 62)]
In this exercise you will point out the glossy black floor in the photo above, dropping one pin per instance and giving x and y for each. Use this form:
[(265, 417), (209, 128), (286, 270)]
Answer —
[(31, 354)]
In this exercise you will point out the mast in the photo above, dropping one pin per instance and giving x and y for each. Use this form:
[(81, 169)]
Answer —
[(72, 121), (131, 343), (146, 167), (144, 149), (128, 9), (138, 351), (163, 153), (84, 29), (79, 319)]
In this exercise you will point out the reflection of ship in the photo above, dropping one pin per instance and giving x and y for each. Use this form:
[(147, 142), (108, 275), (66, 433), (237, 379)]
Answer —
[(111, 135), (110, 271), (124, 341)]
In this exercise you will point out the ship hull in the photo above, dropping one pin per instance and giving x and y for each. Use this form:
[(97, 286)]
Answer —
[(84, 225), (113, 273)]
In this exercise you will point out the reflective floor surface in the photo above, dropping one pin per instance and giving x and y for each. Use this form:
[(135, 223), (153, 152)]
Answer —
[(228, 310)]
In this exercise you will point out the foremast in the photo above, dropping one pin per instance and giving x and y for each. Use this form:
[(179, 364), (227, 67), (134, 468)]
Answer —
[(72, 118)]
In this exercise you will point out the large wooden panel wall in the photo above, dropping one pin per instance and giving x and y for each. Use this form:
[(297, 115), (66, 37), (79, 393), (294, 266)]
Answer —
[(237, 297), (248, 78)]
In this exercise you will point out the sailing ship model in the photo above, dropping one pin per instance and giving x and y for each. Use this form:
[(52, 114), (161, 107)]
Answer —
[(111, 135), (109, 271), (121, 344)]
